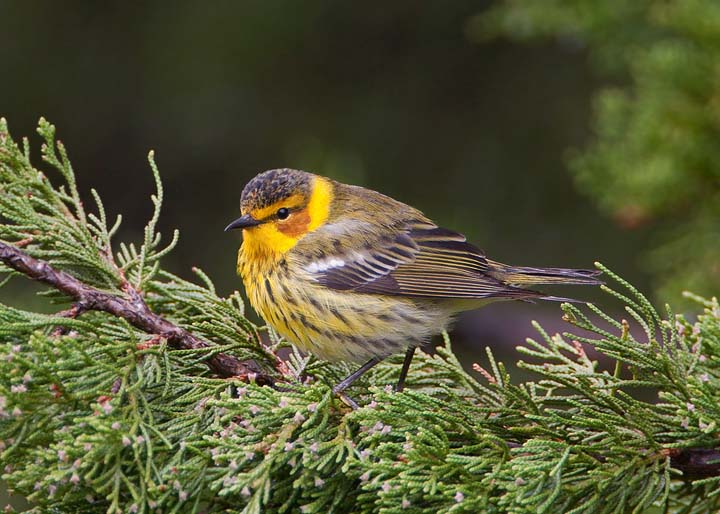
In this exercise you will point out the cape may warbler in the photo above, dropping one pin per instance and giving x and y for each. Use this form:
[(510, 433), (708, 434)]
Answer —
[(350, 274)]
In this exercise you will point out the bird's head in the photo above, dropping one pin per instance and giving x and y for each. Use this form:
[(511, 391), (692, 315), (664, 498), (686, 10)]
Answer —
[(279, 207)]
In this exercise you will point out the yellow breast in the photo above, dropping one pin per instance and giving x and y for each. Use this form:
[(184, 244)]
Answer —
[(339, 325)]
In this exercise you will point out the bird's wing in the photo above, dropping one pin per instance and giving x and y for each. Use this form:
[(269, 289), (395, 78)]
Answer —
[(415, 259)]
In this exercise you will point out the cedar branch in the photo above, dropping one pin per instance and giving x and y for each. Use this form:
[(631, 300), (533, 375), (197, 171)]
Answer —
[(133, 309), (693, 462)]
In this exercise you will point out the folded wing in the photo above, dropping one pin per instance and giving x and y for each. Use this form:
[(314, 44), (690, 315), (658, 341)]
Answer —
[(416, 259)]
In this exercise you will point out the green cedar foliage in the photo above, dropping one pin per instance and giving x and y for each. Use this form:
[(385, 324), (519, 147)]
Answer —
[(97, 416), (655, 157)]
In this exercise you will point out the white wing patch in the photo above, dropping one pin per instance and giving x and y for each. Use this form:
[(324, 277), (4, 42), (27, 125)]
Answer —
[(324, 265)]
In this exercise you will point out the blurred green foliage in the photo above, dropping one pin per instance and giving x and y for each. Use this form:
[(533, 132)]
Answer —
[(655, 157)]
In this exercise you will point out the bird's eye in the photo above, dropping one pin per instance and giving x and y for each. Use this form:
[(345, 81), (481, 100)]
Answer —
[(283, 213)]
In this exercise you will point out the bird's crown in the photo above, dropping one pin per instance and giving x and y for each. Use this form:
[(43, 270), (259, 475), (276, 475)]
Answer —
[(270, 187)]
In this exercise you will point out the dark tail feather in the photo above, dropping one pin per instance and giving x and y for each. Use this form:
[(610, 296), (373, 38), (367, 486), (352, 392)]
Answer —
[(521, 275)]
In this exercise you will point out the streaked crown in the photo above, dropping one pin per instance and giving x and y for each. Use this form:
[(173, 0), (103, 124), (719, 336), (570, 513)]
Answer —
[(270, 187)]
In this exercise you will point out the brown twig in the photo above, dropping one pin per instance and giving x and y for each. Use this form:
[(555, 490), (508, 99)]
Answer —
[(133, 309), (695, 462), (72, 313)]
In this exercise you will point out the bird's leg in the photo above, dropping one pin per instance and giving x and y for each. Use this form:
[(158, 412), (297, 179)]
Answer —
[(404, 371), (352, 377)]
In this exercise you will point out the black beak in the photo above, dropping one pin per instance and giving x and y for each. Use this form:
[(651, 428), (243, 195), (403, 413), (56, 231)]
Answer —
[(245, 221)]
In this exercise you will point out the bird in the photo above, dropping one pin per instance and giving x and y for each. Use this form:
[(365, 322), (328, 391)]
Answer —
[(350, 274)]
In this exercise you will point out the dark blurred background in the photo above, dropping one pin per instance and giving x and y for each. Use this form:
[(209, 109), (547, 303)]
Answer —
[(398, 98)]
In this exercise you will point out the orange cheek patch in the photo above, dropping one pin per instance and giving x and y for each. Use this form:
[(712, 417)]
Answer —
[(296, 225)]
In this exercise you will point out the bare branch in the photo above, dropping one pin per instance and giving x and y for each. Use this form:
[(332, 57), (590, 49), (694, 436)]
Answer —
[(73, 312), (133, 309)]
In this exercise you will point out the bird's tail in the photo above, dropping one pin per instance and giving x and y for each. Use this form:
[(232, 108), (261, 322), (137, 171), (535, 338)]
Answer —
[(522, 275)]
